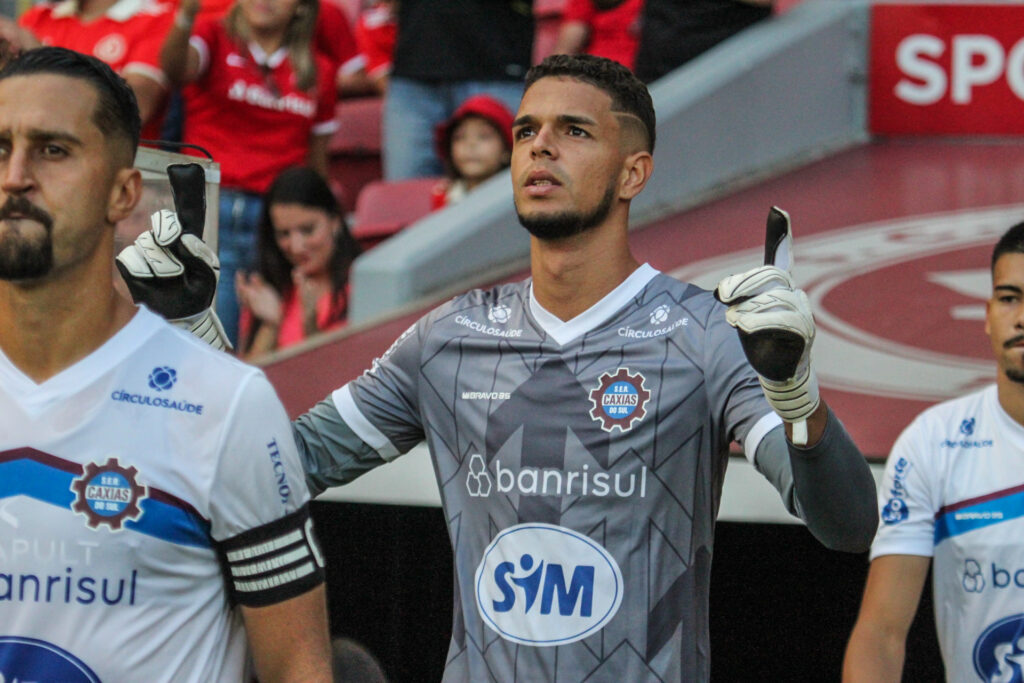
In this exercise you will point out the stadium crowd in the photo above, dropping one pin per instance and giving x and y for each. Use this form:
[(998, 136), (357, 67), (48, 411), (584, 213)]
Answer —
[(262, 86), (218, 74)]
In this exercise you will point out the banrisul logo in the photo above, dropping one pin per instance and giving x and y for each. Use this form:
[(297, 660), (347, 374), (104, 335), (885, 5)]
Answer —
[(28, 659), (545, 585)]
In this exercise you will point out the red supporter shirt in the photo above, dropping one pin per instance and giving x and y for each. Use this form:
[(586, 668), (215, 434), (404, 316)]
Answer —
[(375, 35), (128, 36), (334, 38), (614, 33), (246, 110)]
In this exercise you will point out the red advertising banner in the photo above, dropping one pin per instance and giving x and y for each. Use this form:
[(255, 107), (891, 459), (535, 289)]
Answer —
[(955, 69)]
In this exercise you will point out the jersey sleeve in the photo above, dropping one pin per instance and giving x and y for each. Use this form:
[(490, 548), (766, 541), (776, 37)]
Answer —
[(148, 34), (907, 500), (326, 122), (203, 40), (259, 503), (734, 392), (382, 405), (579, 10), (375, 38)]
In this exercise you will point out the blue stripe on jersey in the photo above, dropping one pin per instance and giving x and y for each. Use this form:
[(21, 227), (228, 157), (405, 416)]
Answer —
[(26, 476), (982, 514)]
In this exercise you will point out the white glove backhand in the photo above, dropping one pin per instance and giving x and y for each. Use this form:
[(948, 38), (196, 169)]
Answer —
[(777, 331), (149, 266)]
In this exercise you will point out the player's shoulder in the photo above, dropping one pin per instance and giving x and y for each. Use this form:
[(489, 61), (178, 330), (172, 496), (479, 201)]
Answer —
[(700, 303), (951, 420), (217, 365), (513, 295), (498, 312), (957, 408)]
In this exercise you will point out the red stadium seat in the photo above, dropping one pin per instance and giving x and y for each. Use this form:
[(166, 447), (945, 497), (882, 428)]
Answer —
[(385, 207), (358, 126), (354, 151)]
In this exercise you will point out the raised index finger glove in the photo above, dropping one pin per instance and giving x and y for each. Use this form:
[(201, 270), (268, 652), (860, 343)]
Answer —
[(776, 331), (172, 271)]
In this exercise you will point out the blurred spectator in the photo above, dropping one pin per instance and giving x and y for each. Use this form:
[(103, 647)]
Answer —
[(445, 53), (474, 144), (353, 663), (605, 28), (304, 253), (259, 99), (126, 34), (376, 32), (333, 39), (676, 31)]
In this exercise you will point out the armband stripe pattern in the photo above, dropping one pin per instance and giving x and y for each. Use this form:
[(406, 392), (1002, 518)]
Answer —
[(241, 570), (272, 563), (288, 539)]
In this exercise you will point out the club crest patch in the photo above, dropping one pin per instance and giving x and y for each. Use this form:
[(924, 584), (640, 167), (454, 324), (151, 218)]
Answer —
[(108, 494), (619, 400)]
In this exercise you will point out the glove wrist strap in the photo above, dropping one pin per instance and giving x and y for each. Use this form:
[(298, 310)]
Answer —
[(794, 400), (207, 326)]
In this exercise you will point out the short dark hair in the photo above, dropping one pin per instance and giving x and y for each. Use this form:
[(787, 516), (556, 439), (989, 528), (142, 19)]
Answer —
[(117, 111), (1012, 242), (628, 93)]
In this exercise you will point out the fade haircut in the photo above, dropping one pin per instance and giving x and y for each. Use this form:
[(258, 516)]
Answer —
[(629, 94), (117, 111), (1012, 242)]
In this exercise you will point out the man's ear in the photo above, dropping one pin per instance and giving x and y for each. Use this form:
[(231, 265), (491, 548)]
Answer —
[(125, 194), (636, 171)]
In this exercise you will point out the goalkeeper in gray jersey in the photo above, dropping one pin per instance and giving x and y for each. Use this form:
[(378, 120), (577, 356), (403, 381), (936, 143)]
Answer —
[(580, 421)]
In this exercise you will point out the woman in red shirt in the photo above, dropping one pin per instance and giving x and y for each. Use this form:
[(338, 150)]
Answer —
[(304, 254), (259, 99)]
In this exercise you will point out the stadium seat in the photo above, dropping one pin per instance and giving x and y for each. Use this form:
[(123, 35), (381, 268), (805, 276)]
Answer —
[(354, 151), (385, 207), (547, 16)]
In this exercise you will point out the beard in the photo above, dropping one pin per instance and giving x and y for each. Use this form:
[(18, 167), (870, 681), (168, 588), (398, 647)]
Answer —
[(567, 223), (22, 258)]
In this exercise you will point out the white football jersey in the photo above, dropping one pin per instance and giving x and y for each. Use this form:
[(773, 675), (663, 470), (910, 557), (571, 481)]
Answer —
[(954, 490), (131, 485)]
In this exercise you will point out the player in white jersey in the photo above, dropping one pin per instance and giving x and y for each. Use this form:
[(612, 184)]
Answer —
[(580, 421), (153, 513), (953, 499)]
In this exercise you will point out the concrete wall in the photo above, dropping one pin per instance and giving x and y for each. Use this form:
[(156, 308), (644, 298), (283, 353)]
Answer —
[(783, 93)]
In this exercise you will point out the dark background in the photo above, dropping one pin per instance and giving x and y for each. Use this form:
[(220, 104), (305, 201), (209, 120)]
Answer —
[(782, 606)]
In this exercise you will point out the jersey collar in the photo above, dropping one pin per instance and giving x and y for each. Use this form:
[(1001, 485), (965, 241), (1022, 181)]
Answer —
[(273, 60), (564, 332), (122, 10)]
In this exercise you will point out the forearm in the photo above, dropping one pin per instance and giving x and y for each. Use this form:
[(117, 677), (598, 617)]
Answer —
[(263, 341), (835, 489), (317, 157), (174, 55), (149, 94), (290, 641), (331, 452), (828, 485), (872, 657)]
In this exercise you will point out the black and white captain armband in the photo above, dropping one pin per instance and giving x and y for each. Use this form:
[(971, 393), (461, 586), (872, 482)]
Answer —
[(272, 563)]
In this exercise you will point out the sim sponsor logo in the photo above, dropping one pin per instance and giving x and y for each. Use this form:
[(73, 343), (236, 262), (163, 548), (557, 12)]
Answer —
[(545, 585)]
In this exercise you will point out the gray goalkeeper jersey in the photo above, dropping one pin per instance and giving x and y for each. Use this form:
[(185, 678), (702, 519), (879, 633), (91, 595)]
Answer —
[(580, 466)]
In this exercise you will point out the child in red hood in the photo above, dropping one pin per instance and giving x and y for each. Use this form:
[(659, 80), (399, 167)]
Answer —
[(474, 144)]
